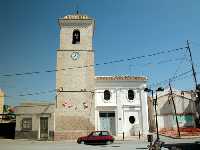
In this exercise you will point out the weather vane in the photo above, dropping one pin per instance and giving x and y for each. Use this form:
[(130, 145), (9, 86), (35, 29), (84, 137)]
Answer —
[(77, 8)]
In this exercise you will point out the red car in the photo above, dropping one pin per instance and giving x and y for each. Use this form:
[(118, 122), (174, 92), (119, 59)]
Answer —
[(96, 137)]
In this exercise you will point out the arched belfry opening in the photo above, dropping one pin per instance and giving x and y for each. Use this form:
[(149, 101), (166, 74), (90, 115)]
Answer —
[(76, 37)]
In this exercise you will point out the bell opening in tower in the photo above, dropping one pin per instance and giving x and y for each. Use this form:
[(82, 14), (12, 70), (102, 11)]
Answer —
[(76, 37)]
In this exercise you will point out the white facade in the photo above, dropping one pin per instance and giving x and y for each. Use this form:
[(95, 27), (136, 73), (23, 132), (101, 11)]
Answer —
[(185, 108), (114, 114)]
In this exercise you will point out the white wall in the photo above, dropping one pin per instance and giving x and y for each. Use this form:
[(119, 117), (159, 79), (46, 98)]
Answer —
[(123, 107), (184, 104), (169, 121)]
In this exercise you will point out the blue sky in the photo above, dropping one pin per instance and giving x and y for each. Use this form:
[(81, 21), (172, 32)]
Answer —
[(29, 37)]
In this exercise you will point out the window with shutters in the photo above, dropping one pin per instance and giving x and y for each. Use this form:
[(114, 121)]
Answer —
[(27, 124)]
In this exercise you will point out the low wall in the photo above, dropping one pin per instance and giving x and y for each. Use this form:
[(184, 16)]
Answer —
[(26, 134), (169, 121)]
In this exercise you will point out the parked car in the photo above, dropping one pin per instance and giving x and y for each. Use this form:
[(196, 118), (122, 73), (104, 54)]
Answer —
[(96, 137)]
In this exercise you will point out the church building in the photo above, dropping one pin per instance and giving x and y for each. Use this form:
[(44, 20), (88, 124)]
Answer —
[(121, 105), (86, 102)]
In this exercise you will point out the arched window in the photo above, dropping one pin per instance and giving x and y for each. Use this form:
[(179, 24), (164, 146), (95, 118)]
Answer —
[(131, 94), (76, 37), (107, 95)]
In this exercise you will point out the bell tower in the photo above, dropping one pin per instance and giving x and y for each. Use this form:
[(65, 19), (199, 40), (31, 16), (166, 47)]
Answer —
[(74, 115)]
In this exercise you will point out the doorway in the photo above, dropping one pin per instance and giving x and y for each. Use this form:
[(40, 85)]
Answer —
[(107, 122), (43, 127)]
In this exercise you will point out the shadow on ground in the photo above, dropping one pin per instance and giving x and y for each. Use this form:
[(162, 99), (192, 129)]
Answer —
[(104, 145), (183, 146)]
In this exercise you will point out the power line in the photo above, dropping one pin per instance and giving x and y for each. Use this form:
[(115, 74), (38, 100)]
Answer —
[(172, 79), (97, 64), (151, 64), (179, 66), (160, 62), (177, 69), (138, 65), (32, 93), (182, 78), (115, 61), (175, 74), (195, 43), (55, 90)]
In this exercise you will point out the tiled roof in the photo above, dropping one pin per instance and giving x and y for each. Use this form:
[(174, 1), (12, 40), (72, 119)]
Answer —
[(126, 78)]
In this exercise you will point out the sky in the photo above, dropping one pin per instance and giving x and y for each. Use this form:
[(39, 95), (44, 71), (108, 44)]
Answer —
[(29, 37)]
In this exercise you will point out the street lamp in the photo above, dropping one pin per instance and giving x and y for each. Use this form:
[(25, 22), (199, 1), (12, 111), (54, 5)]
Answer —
[(155, 106), (198, 92)]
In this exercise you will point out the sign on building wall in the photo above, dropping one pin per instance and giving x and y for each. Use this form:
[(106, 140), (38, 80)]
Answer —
[(184, 120)]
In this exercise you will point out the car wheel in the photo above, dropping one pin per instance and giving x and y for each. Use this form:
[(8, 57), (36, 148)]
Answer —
[(108, 142), (82, 142), (175, 148)]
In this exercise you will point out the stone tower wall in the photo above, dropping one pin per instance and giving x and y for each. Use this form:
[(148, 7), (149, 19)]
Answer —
[(74, 115)]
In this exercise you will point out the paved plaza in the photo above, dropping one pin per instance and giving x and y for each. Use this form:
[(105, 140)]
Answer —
[(128, 144), (68, 145)]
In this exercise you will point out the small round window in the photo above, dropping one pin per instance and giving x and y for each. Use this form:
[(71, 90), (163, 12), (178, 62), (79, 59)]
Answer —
[(107, 95), (132, 119)]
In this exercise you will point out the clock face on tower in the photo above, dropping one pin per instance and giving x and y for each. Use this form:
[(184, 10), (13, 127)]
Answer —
[(75, 55)]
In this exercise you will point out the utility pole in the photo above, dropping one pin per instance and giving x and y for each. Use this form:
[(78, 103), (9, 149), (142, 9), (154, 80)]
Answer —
[(197, 89), (172, 99), (155, 106), (192, 63)]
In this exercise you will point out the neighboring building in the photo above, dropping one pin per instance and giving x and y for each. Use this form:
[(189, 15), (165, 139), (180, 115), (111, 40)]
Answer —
[(121, 105), (7, 119), (35, 121), (1, 101), (185, 108)]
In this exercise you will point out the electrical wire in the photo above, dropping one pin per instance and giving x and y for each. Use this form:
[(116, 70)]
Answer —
[(31, 93), (105, 63), (172, 79), (55, 90)]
